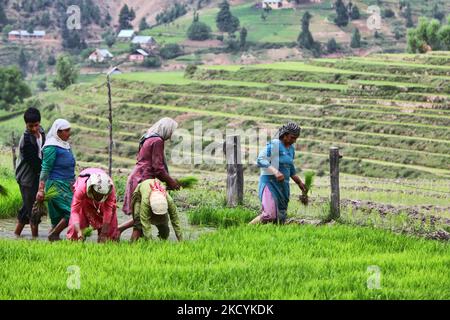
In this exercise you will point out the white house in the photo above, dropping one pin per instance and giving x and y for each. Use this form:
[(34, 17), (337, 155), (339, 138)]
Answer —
[(25, 35), (126, 35), (100, 55), (146, 42)]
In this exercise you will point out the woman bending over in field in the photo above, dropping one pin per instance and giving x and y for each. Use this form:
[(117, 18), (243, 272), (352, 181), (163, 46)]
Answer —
[(94, 204), (152, 205), (58, 171), (151, 163), (276, 161)]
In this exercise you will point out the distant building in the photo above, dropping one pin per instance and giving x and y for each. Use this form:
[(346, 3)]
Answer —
[(284, 4), (17, 35), (138, 56), (273, 4), (114, 71), (126, 35), (100, 55), (146, 42)]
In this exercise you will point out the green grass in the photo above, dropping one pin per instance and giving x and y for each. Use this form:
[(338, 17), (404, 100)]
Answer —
[(9, 204), (263, 262)]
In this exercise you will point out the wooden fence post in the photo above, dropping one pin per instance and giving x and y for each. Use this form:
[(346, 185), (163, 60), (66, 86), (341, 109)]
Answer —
[(334, 177), (13, 149), (235, 171), (110, 119)]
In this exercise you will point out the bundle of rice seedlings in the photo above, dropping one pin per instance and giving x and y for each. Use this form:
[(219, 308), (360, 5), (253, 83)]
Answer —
[(40, 208), (188, 182), (309, 179), (87, 232)]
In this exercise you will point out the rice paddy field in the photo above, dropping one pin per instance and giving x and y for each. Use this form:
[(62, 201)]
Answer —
[(389, 114)]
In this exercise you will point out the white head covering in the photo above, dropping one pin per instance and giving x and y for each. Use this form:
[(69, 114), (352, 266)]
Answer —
[(52, 137), (100, 183), (164, 128)]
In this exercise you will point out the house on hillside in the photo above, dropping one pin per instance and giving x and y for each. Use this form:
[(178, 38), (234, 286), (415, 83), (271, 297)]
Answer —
[(100, 55), (272, 4), (18, 35), (126, 35), (146, 42), (138, 56), (284, 4)]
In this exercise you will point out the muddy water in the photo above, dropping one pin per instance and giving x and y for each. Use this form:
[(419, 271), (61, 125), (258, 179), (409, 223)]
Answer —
[(7, 227)]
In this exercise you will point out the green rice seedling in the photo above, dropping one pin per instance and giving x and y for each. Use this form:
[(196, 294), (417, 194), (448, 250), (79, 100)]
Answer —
[(188, 182), (87, 232), (10, 198), (309, 180), (220, 217), (40, 208)]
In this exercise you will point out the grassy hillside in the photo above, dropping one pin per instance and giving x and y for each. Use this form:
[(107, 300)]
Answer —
[(283, 26)]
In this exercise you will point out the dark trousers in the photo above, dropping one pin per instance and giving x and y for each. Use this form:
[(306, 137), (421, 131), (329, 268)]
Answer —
[(28, 199)]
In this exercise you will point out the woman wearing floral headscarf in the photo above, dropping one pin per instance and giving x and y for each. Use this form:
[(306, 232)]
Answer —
[(94, 204), (58, 171), (151, 163), (277, 167)]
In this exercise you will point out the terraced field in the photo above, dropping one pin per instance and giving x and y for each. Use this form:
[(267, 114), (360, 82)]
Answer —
[(390, 114)]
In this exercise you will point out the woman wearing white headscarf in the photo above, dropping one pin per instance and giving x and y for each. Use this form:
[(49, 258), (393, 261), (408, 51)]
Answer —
[(58, 171), (94, 204), (151, 163)]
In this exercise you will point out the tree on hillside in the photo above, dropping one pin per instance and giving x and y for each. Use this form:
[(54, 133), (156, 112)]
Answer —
[(342, 18), (12, 87), (243, 38), (66, 73), (356, 39), (428, 34), (143, 25), (354, 13), (225, 21), (408, 16), (3, 18), (198, 31), (332, 46), (126, 16), (171, 51), (109, 37), (437, 13), (23, 62), (444, 36), (305, 39)]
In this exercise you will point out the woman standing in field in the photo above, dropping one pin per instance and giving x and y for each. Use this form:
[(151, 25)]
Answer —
[(151, 163), (94, 204), (58, 171), (152, 205), (277, 167)]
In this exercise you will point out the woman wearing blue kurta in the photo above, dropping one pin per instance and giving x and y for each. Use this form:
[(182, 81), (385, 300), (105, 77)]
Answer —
[(58, 170), (277, 167)]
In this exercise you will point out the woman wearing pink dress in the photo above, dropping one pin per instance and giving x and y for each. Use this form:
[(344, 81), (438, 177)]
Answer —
[(94, 204)]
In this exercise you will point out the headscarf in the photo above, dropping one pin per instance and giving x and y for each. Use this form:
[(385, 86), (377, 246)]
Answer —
[(290, 127), (52, 137), (163, 128), (100, 183)]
